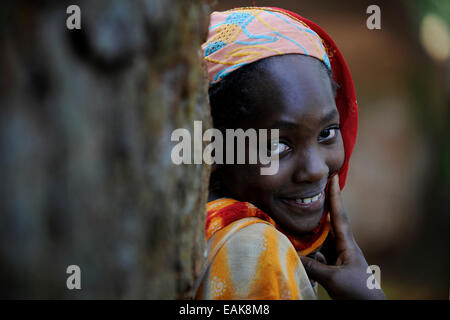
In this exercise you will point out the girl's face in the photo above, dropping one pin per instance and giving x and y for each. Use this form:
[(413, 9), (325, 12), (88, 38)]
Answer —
[(293, 94)]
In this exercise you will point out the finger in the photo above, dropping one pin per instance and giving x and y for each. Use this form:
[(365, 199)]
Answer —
[(320, 257), (316, 270), (329, 250), (339, 218)]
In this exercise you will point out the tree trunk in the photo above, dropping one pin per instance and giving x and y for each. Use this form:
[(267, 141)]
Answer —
[(85, 141)]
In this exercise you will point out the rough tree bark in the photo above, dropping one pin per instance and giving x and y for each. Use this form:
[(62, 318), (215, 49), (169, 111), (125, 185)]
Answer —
[(85, 123)]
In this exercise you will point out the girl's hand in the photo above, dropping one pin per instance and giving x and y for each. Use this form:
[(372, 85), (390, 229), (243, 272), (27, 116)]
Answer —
[(346, 277)]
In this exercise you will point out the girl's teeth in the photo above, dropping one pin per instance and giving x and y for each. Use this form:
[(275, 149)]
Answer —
[(308, 200)]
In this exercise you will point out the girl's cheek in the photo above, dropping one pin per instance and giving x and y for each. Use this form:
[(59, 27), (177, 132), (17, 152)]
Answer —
[(277, 180), (337, 156), (247, 176), (249, 179)]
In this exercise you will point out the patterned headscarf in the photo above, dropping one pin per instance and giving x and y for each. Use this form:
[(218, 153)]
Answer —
[(244, 35)]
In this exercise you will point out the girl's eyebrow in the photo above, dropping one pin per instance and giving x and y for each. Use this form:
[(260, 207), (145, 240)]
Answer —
[(329, 116), (288, 125), (284, 125)]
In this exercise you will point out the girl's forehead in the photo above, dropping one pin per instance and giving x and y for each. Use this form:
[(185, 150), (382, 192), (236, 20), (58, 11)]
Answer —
[(291, 88), (292, 71)]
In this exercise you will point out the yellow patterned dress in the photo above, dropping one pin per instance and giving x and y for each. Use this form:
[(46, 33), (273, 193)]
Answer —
[(250, 259)]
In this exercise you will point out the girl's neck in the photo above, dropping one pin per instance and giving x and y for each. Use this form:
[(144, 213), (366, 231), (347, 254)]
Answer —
[(214, 195), (217, 193)]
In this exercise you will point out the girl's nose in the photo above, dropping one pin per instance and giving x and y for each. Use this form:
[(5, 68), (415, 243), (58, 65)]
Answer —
[(311, 166)]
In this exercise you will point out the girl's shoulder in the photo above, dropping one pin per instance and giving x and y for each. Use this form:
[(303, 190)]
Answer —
[(253, 232), (249, 234), (250, 258)]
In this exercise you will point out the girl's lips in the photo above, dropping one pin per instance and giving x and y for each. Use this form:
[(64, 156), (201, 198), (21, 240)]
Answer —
[(302, 207)]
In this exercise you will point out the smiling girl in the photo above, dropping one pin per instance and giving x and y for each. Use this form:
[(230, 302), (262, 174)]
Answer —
[(273, 236)]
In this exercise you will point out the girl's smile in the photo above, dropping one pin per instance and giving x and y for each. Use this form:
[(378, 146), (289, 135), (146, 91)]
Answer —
[(304, 205)]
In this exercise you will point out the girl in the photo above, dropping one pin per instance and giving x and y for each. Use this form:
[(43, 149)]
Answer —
[(272, 69)]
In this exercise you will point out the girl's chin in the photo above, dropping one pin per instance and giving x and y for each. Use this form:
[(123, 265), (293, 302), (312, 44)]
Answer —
[(306, 227), (299, 224)]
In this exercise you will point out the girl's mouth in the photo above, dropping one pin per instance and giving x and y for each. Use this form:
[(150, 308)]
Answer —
[(306, 205)]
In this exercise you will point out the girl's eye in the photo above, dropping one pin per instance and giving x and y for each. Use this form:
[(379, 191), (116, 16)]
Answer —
[(278, 147), (328, 134)]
